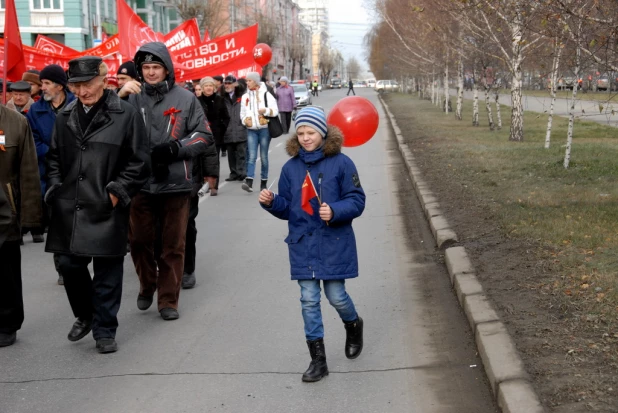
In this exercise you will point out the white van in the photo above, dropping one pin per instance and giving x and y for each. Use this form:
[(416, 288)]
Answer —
[(371, 83)]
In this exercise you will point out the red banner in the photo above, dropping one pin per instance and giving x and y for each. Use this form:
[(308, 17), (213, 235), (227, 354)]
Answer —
[(230, 54), (50, 45), (184, 36)]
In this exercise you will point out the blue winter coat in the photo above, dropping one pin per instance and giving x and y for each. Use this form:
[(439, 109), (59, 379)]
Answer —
[(42, 118), (318, 250)]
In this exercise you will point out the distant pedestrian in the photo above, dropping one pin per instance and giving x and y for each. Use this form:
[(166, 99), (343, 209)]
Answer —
[(321, 242), (21, 100), (235, 137), (315, 88), (286, 103), (351, 88)]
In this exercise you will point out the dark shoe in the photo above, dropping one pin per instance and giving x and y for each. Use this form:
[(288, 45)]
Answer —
[(143, 302), (7, 339), (241, 178), (60, 280), (318, 368), (106, 345), (248, 185), (37, 238), (354, 338), (169, 314), (264, 184), (231, 178), (188, 281), (80, 329)]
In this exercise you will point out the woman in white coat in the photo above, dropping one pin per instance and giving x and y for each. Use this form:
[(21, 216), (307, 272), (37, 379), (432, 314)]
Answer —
[(257, 104)]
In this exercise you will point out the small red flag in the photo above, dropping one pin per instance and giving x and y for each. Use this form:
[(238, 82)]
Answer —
[(14, 63), (308, 192)]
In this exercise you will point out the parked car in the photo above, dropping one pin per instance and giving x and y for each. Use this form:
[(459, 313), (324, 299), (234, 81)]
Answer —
[(371, 83), (335, 84), (386, 86), (302, 94)]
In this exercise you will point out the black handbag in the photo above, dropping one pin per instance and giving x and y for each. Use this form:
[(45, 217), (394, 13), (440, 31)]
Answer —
[(275, 128)]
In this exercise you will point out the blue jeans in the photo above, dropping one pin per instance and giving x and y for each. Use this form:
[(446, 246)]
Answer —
[(255, 138), (310, 302)]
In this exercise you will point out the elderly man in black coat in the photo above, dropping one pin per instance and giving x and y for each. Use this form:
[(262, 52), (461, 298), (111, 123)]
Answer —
[(98, 160)]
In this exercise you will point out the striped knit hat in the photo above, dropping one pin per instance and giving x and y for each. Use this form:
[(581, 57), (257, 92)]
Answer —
[(313, 117)]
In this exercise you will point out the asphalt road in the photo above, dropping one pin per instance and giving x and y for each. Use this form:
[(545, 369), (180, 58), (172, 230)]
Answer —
[(586, 110), (239, 344)]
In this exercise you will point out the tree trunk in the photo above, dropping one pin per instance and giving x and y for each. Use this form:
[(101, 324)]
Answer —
[(498, 113), (433, 87), (567, 154), (447, 95), (517, 111), (460, 88), (554, 80), (490, 117), (292, 76)]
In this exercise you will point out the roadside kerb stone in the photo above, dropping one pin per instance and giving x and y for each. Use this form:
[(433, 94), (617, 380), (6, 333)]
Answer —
[(499, 355), (515, 396), (457, 262), (503, 365), (478, 310), (466, 284), (437, 223), (433, 210)]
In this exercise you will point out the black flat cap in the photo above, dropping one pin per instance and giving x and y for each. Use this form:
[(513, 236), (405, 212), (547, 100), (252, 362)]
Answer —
[(20, 86), (84, 68)]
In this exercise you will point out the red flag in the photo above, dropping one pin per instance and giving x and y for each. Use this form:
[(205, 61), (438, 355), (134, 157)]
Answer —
[(14, 63), (184, 36), (308, 192), (132, 31), (206, 36)]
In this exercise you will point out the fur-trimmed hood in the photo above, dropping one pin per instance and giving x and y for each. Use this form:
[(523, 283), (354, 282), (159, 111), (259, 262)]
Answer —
[(332, 143)]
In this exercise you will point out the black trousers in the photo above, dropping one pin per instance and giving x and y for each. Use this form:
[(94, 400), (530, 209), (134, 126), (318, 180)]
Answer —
[(191, 237), (351, 90), (237, 159), (97, 297), (286, 121), (11, 297)]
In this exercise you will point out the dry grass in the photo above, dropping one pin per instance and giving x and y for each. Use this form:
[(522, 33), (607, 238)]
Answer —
[(571, 212)]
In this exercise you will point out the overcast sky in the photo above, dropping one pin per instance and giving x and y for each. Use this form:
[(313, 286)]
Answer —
[(349, 22)]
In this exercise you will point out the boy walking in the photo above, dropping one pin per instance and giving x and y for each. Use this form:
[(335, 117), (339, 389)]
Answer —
[(319, 195)]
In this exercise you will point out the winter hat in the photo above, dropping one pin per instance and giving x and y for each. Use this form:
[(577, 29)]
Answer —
[(127, 68), (206, 80), (54, 73), (32, 76), (313, 117), (218, 78), (255, 76), (230, 79), (284, 79)]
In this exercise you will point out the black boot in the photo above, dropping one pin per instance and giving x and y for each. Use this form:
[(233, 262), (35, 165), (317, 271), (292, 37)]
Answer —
[(318, 368), (264, 184), (248, 185), (354, 338)]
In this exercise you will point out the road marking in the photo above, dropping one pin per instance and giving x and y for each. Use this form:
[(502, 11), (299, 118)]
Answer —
[(205, 197)]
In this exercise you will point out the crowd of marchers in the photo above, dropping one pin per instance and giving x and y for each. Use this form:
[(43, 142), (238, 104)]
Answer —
[(97, 164)]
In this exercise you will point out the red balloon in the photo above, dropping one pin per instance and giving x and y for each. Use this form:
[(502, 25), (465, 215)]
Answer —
[(262, 53), (356, 117)]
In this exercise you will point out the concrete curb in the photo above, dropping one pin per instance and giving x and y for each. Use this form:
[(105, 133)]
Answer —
[(503, 365)]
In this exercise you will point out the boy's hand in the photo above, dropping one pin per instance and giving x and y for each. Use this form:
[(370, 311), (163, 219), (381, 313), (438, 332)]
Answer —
[(266, 197), (326, 214)]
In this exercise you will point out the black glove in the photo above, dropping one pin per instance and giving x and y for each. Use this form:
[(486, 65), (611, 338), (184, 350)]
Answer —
[(160, 171), (165, 153)]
